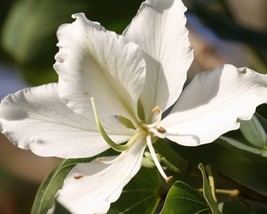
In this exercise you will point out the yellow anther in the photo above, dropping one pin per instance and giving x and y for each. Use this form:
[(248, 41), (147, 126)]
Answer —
[(156, 110), (161, 130), (77, 177), (169, 179), (157, 118)]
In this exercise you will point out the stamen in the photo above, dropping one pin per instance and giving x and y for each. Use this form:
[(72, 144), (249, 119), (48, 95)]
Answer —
[(156, 161), (156, 109), (159, 132), (77, 177), (108, 162), (100, 159), (159, 117), (171, 133)]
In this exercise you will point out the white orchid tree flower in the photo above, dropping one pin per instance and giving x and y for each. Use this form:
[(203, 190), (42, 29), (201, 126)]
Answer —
[(113, 89)]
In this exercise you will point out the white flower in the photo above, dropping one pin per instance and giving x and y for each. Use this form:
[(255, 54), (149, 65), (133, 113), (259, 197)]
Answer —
[(133, 78)]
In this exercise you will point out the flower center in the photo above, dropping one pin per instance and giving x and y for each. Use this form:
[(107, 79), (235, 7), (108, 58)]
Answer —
[(153, 130), (145, 131), (153, 127)]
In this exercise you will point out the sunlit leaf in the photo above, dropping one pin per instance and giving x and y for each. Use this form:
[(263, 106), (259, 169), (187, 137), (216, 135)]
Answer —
[(183, 199), (242, 146), (254, 132), (141, 195), (262, 121)]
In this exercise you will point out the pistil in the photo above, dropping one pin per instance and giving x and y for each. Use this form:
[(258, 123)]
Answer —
[(110, 142)]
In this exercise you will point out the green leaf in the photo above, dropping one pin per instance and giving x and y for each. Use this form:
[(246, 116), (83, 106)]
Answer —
[(29, 29), (262, 121), (207, 191), (141, 195), (183, 199), (254, 132), (247, 148), (242, 206), (40, 75), (29, 33), (164, 149), (45, 196), (248, 176)]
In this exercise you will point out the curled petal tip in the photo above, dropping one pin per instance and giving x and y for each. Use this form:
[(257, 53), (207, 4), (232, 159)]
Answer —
[(76, 15)]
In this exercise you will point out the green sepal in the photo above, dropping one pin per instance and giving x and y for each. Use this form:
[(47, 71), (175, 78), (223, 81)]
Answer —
[(207, 193)]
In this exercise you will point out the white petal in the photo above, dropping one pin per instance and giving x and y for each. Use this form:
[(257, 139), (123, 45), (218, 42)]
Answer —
[(93, 62), (100, 184), (159, 29), (213, 102), (36, 119)]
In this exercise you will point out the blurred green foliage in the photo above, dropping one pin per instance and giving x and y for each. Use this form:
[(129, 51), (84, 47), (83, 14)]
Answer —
[(28, 30)]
